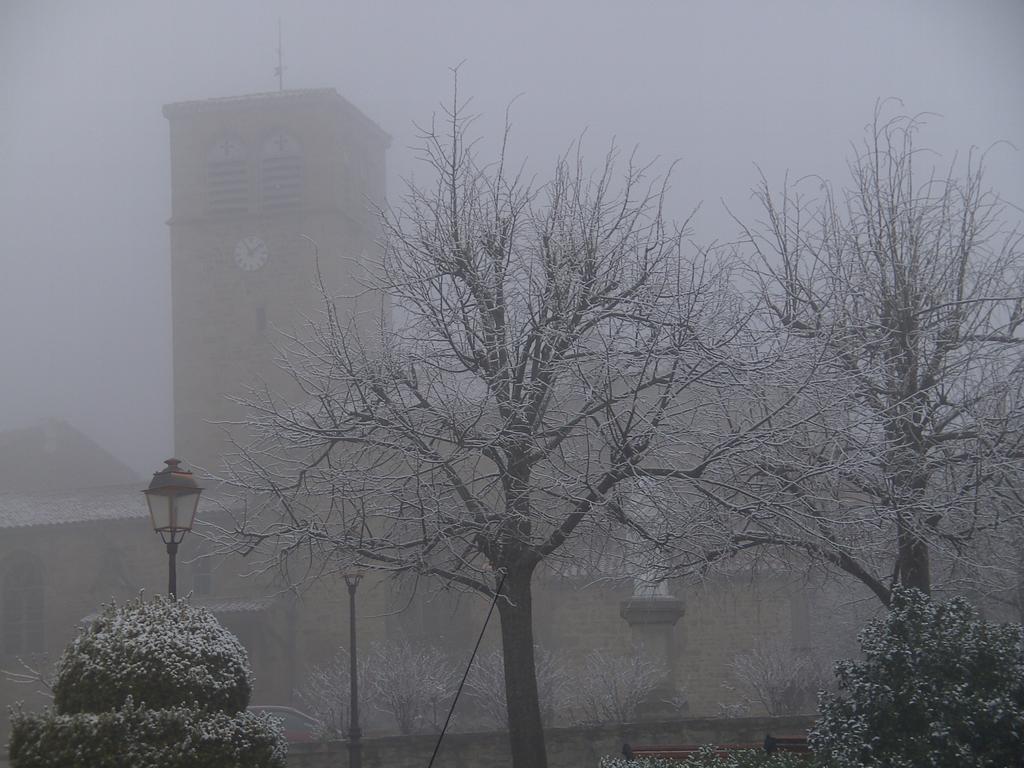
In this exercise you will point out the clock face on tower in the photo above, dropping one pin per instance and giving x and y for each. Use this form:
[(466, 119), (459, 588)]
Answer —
[(251, 253)]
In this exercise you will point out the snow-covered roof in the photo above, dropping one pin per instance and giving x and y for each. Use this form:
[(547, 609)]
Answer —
[(236, 605), (116, 502), (216, 607), (88, 505)]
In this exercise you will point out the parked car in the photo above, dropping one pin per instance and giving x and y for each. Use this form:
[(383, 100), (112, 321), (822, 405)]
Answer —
[(297, 726)]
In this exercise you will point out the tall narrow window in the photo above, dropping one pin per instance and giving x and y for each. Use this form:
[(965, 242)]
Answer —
[(202, 576), (800, 620), (21, 605), (227, 178), (280, 174)]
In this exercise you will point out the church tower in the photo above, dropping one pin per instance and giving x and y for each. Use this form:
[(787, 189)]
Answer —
[(255, 182)]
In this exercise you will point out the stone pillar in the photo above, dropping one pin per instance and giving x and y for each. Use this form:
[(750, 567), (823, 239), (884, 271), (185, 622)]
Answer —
[(652, 620)]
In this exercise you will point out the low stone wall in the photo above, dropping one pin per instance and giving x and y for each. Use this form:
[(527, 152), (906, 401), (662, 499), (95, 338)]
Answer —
[(567, 747)]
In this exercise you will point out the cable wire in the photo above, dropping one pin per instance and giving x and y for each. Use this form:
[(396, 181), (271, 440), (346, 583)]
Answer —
[(472, 656)]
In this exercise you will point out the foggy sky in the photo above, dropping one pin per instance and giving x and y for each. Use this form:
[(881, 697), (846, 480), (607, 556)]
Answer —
[(718, 86)]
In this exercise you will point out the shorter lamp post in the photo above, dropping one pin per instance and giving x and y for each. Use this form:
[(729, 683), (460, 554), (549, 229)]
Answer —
[(172, 497), (355, 755)]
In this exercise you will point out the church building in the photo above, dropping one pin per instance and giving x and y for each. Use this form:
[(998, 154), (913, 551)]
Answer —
[(273, 203)]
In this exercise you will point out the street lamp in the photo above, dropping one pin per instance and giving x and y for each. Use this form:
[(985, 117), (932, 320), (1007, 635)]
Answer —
[(355, 755), (172, 497)]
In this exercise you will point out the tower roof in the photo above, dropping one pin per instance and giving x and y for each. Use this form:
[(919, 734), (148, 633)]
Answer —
[(328, 96)]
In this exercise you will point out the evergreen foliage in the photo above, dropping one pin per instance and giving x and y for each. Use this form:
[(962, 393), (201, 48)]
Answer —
[(162, 653), (177, 737), (937, 687), (158, 684)]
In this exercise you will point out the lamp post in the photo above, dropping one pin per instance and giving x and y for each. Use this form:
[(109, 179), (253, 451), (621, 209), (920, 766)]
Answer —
[(355, 747), (172, 497)]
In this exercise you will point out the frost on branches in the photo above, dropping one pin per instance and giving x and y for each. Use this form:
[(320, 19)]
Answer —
[(410, 684), (937, 687), (325, 695), (486, 680), (610, 688), (907, 279), (781, 680), (156, 684), (413, 685), (558, 346)]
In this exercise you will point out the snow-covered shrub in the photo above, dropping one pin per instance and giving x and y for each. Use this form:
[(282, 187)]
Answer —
[(177, 737), (412, 684), (161, 652), (156, 684), (609, 688), (486, 686), (936, 687), (783, 681), (325, 695), (733, 710)]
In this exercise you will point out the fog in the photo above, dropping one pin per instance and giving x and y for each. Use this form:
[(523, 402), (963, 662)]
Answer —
[(717, 86)]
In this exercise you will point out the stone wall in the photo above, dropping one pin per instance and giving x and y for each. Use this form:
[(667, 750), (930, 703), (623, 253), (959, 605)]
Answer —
[(567, 747), (724, 616)]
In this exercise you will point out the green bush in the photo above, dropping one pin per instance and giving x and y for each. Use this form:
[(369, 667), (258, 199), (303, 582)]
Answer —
[(139, 737), (937, 687), (156, 684), (162, 653)]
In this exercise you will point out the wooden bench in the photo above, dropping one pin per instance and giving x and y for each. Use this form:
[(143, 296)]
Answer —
[(796, 744)]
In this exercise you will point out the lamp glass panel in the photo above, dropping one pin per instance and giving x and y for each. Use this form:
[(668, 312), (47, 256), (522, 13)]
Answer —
[(185, 510), (159, 510)]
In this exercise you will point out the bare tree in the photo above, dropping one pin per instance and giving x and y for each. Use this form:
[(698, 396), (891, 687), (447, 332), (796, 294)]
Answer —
[(551, 345), (996, 582), (38, 675), (910, 285)]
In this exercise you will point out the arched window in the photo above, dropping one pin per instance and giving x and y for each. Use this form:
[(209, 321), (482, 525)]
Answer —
[(280, 173), (21, 605), (227, 177)]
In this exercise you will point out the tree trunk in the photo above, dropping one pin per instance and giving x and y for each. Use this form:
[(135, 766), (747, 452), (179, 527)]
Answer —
[(913, 564), (525, 732)]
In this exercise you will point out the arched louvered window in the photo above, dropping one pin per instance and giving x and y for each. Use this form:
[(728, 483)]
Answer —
[(227, 178), (21, 605), (280, 173)]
